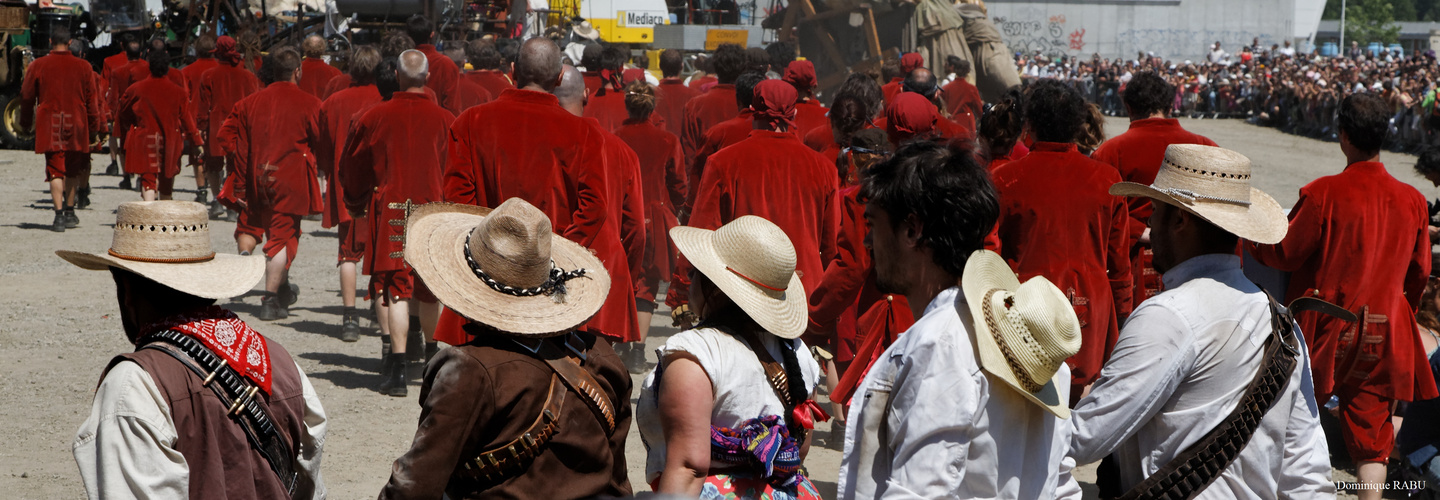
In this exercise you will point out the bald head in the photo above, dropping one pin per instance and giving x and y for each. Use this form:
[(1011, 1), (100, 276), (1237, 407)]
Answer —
[(412, 71), (538, 67), (571, 91), (314, 46)]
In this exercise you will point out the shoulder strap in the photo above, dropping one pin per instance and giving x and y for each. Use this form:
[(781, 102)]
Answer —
[(779, 382), (574, 375), (511, 459), (1190, 472), (237, 394)]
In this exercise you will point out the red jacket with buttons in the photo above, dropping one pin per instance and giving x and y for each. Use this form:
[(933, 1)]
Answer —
[(155, 120), (60, 98), (663, 182), (337, 118), (220, 89), (273, 135)]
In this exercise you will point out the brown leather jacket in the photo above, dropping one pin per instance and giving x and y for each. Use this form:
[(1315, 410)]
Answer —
[(484, 394)]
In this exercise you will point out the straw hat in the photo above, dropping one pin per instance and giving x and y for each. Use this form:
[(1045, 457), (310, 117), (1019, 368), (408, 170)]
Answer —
[(1023, 332), (169, 243), (1214, 183), (586, 30), (753, 262), (505, 268)]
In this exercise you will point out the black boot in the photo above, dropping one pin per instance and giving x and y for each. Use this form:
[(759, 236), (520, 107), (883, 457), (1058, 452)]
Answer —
[(217, 211), (125, 184), (396, 382), (271, 308), (113, 169), (71, 220), (82, 198), (415, 342), (430, 349), (349, 326), (60, 222), (202, 195), (289, 293)]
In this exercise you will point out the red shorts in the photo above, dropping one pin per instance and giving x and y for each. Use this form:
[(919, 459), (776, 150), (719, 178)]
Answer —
[(243, 226), (354, 235), (1365, 417), (393, 286), (66, 165), (282, 233)]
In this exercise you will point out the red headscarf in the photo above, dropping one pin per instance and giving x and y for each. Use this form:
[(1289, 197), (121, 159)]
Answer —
[(911, 62), (908, 116), (774, 103), (801, 74), (631, 75), (225, 51)]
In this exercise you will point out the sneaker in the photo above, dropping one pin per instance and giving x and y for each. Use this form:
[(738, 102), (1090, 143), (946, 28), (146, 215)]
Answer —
[(82, 198), (113, 169), (217, 211), (60, 222), (349, 326), (125, 184), (71, 221), (271, 308), (289, 293)]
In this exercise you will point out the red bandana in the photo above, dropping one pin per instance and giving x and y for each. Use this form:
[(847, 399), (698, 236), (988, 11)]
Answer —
[(224, 334), (908, 116), (801, 74), (911, 62), (225, 51), (774, 103)]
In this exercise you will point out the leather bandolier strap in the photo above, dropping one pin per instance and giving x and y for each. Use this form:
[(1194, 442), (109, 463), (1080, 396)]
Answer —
[(779, 382), (235, 393), (512, 459), (1190, 472)]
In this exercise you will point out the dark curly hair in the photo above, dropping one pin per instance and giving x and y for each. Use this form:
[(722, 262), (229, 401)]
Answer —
[(1147, 94), (1429, 163), (1055, 112), (945, 189), (728, 62), (484, 55), (1365, 119), (1001, 125), (745, 88)]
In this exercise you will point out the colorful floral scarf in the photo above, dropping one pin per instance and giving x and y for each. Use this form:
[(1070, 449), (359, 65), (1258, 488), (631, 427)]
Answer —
[(760, 444), (224, 334)]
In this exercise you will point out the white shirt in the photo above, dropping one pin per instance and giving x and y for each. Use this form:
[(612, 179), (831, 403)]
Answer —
[(1180, 366), (737, 379), (948, 430), (126, 448)]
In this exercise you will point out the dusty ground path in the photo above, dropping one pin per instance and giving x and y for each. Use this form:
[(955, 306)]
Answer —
[(59, 325)]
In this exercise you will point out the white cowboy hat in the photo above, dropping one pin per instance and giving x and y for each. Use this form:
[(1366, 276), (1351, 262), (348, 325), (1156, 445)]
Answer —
[(1023, 332), (586, 31), (1213, 183), (168, 242), (505, 268), (753, 262)]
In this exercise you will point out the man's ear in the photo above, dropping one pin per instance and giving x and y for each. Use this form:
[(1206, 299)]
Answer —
[(911, 230)]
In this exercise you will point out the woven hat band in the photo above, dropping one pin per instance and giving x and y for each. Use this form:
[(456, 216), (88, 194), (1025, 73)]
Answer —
[(512, 246), (119, 255), (162, 232)]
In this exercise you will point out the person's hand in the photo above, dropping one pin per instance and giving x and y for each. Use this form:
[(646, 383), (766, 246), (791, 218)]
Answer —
[(1145, 236), (682, 318), (1434, 234)]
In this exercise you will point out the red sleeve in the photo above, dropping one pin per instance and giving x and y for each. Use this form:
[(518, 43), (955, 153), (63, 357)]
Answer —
[(710, 146), (125, 116), (93, 106), (358, 166), (187, 122), (1302, 239), (676, 177), (461, 167), (830, 221), (632, 227), (706, 216), (204, 100), (1418, 273), (590, 215), (28, 96), (844, 277), (1118, 258), (691, 135), (233, 139)]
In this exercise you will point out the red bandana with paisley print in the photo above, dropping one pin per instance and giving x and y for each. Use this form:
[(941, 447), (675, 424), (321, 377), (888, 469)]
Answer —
[(224, 334)]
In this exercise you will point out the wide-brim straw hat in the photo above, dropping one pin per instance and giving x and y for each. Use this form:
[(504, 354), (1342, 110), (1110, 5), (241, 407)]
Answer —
[(450, 246), (753, 262), (585, 30), (168, 242), (1023, 332), (1214, 183)]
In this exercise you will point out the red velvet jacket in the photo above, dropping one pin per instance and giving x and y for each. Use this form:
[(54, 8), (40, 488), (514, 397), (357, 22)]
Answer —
[(699, 83), (1359, 238), (472, 94), (220, 89), (141, 72), (848, 289), (621, 245), (60, 98), (1058, 220), (810, 115), (115, 76), (662, 177), (671, 96), (962, 98), (607, 107), (444, 77), (315, 74), (340, 82), (720, 136), (494, 81), (337, 118), (155, 120), (705, 111), (395, 155), (889, 90), (771, 175), (273, 134), (192, 73)]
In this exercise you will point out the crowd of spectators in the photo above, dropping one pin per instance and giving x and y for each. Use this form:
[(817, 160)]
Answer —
[(1275, 87)]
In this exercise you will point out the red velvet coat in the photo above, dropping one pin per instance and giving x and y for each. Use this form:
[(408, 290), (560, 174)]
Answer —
[(60, 98), (444, 77), (273, 134), (116, 73), (1137, 154), (962, 98), (1058, 220), (662, 177), (593, 81), (889, 90), (953, 131), (671, 96), (220, 89), (848, 289), (608, 108), (472, 94), (155, 120), (396, 153), (192, 73), (703, 112), (337, 119), (771, 175), (494, 81), (622, 244), (699, 83), (720, 136), (1359, 238), (315, 74), (810, 115), (340, 82), (141, 72), (820, 139)]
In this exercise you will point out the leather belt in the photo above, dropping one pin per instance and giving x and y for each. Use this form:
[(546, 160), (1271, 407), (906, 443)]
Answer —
[(512, 458), (236, 394)]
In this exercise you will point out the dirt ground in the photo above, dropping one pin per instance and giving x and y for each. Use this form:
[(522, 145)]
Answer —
[(59, 325)]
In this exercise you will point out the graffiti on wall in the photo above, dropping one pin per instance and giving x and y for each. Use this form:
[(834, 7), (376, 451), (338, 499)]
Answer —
[(1175, 43), (1030, 30)]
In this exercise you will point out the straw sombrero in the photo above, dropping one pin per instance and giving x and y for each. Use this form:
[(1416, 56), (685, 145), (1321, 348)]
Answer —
[(505, 268), (1023, 332), (169, 243), (753, 262), (1213, 183), (587, 31)]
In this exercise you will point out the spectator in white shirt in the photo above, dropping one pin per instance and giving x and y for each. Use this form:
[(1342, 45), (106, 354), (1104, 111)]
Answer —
[(1218, 55), (927, 422), (1184, 359)]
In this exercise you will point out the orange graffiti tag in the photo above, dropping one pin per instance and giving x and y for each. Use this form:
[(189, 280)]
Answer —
[(1058, 19)]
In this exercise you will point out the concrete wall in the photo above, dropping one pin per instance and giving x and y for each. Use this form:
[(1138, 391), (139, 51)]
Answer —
[(1175, 30)]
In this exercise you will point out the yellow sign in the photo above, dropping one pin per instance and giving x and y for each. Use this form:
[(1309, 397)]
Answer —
[(713, 38)]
